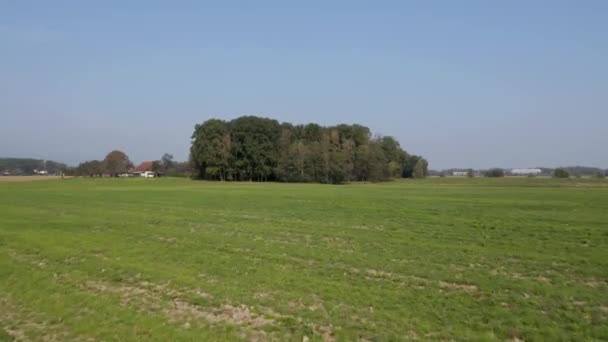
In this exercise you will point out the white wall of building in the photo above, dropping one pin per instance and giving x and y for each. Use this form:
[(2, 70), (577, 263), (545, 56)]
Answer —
[(526, 171)]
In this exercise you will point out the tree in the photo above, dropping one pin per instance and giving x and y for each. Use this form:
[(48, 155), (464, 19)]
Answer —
[(116, 162), (470, 173), (157, 167), (394, 157), (90, 168), (409, 162), (292, 157), (495, 172), (166, 162), (561, 173), (211, 148), (180, 169), (254, 147), (420, 169)]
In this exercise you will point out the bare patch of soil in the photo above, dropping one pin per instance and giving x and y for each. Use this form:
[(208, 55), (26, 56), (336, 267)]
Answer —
[(23, 325), (173, 304), (458, 287)]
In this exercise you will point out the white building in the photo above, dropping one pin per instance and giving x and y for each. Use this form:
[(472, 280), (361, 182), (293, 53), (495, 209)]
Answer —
[(148, 174), (145, 170), (460, 173), (526, 172)]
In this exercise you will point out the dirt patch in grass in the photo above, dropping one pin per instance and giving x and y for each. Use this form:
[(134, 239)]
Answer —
[(19, 324), (593, 283), (458, 287), (174, 304), (418, 282), (181, 311)]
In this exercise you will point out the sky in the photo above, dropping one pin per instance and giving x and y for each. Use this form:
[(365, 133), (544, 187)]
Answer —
[(463, 83)]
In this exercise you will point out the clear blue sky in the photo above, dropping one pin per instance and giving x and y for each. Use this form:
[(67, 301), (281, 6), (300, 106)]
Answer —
[(464, 83)]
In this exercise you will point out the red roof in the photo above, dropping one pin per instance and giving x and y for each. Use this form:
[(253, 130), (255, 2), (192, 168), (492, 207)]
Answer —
[(143, 167)]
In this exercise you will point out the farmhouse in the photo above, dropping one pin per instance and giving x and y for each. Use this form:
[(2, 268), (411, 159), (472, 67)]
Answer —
[(526, 172), (145, 169)]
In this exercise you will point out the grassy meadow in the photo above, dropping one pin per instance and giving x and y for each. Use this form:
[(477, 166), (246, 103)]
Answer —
[(174, 259)]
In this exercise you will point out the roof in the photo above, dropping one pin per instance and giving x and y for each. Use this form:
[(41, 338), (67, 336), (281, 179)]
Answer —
[(143, 167)]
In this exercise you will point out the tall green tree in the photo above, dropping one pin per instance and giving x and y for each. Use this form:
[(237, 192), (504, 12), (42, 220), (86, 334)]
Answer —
[(211, 150), (255, 147), (421, 168), (167, 162)]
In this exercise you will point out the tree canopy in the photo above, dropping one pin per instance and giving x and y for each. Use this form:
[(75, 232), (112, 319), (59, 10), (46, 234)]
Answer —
[(251, 148), (116, 162)]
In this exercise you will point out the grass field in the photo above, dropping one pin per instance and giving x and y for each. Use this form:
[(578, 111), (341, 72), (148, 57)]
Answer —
[(173, 259), (12, 179)]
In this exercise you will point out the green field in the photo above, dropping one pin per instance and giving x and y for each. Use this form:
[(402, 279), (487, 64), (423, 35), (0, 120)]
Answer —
[(174, 259)]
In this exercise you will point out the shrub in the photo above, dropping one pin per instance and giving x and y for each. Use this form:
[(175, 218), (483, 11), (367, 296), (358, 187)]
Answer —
[(496, 172), (561, 173)]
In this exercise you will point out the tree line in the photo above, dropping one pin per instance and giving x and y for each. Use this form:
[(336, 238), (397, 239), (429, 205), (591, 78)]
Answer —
[(117, 163), (560, 172), (28, 166), (251, 148)]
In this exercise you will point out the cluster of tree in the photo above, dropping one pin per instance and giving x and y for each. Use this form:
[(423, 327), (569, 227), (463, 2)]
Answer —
[(251, 148), (117, 162), (114, 164), (561, 173), (585, 171), (167, 166), (26, 166), (579, 171)]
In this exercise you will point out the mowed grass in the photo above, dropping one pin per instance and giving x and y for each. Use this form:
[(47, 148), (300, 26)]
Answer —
[(174, 259)]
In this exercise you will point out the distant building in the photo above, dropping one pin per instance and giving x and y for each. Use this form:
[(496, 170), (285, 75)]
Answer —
[(526, 172), (460, 173), (148, 174), (145, 170)]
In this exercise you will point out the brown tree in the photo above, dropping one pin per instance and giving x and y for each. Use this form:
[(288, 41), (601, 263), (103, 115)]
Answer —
[(116, 162)]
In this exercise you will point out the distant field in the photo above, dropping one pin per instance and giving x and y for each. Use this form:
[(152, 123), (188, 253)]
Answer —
[(26, 178), (174, 259)]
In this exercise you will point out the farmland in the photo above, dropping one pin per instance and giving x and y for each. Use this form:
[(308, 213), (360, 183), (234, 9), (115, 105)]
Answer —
[(174, 259)]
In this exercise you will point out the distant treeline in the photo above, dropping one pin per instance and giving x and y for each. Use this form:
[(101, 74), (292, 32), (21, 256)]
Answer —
[(251, 148), (560, 172), (584, 171), (26, 166), (117, 163)]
